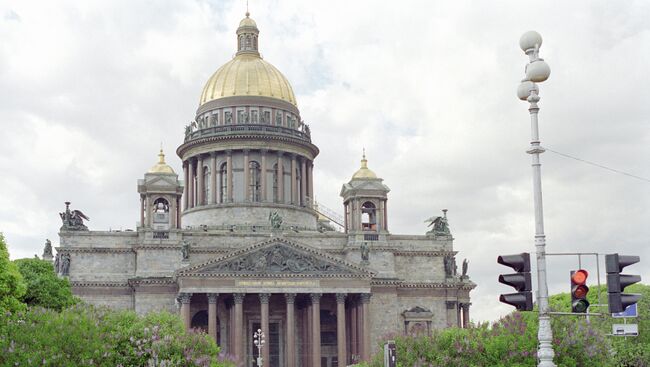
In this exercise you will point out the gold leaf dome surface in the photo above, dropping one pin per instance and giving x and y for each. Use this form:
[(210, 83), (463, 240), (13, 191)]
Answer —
[(247, 75), (364, 172), (161, 166)]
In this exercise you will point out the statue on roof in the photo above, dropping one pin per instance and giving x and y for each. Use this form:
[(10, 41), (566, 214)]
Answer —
[(275, 219), (73, 220), (465, 265), (440, 225)]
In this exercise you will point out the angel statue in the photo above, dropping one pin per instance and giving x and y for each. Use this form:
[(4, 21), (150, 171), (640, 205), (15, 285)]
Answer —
[(73, 220), (439, 225), (275, 219)]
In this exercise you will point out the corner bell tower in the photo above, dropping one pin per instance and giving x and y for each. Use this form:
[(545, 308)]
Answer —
[(160, 198), (364, 203)]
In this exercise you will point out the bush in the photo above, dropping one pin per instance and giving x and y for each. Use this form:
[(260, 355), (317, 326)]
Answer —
[(87, 336), (511, 342), (12, 286), (44, 288)]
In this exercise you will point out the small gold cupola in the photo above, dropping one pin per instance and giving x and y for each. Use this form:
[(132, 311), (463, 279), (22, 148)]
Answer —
[(161, 166), (364, 172)]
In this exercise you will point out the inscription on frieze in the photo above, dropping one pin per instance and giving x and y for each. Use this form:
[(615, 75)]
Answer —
[(277, 283)]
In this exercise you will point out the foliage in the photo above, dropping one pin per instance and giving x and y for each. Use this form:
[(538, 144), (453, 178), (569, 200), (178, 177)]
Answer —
[(87, 336), (12, 286), (44, 288), (630, 351), (511, 341)]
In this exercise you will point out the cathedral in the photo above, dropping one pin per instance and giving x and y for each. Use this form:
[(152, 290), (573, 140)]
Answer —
[(237, 242)]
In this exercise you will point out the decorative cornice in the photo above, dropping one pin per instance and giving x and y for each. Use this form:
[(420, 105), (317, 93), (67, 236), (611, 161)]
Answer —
[(152, 281), (64, 250), (99, 284), (425, 253), (450, 285)]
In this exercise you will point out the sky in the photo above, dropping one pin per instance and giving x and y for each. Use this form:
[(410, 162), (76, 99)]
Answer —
[(89, 90)]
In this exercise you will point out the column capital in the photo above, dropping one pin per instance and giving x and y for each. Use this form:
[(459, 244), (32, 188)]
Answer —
[(280, 153), (239, 297), (340, 297), (315, 297), (450, 304), (213, 154), (246, 151), (212, 297), (264, 150), (293, 156), (264, 297), (229, 152), (290, 297), (184, 298), (365, 297)]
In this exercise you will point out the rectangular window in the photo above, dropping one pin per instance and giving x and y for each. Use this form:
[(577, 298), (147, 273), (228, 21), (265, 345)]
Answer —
[(278, 118), (253, 116), (240, 116), (266, 117), (228, 117)]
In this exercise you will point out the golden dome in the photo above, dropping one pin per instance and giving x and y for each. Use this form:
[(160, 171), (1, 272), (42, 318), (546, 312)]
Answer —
[(247, 75), (364, 172), (161, 166)]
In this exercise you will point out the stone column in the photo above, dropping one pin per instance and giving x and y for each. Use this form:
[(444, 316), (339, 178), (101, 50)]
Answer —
[(178, 212), (315, 331), (309, 347), (380, 216), (142, 224), (345, 216), (264, 325), (294, 187), (247, 178), (213, 178), (291, 329), (199, 182), (187, 191), (354, 331), (386, 215), (303, 182), (310, 179), (239, 328), (264, 196), (184, 299), (148, 205), (229, 176), (340, 328), (280, 175), (191, 181), (459, 320), (465, 307), (212, 315), (365, 304), (172, 214)]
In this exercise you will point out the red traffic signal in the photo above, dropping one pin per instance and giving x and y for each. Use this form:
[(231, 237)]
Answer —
[(579, 291)]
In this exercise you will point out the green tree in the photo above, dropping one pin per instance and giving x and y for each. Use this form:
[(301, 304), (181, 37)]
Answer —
[(12, 286), (44, 288)]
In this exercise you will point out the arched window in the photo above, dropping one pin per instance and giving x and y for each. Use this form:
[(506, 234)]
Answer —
[(206, 185), (161, 205), (254, 179), (248, 42), (275, 183), (255, 42), (368, 217), (223, 182)]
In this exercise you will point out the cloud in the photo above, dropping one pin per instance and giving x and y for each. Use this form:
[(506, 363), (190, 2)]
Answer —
[(89, 90)]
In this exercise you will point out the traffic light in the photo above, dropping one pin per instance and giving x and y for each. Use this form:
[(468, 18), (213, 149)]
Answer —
[(579, 290), (523, 299), (616, 282)]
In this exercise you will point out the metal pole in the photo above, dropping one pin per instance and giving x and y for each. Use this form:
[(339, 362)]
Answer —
[(538, 71)]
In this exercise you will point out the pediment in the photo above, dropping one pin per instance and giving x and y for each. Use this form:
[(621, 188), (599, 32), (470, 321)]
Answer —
[(165, 181), (278, 257)]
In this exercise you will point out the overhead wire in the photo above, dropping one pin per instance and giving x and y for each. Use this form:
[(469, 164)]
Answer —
[(597, 165)]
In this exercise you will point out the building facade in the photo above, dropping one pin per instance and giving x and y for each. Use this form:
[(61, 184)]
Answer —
[(238, 243)]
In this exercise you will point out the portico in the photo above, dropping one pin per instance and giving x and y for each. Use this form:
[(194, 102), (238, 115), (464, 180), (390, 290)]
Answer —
[(299, 296)]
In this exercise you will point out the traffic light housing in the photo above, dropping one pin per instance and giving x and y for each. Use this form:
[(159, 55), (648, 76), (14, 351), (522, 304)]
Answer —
[(579, 291), (520, 281), (616, 282)]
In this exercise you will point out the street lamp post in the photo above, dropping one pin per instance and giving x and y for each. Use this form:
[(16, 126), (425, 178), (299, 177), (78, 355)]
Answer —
[(537, 71), (258, 340)]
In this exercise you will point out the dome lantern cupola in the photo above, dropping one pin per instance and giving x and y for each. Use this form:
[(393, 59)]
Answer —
[(247, 35)]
